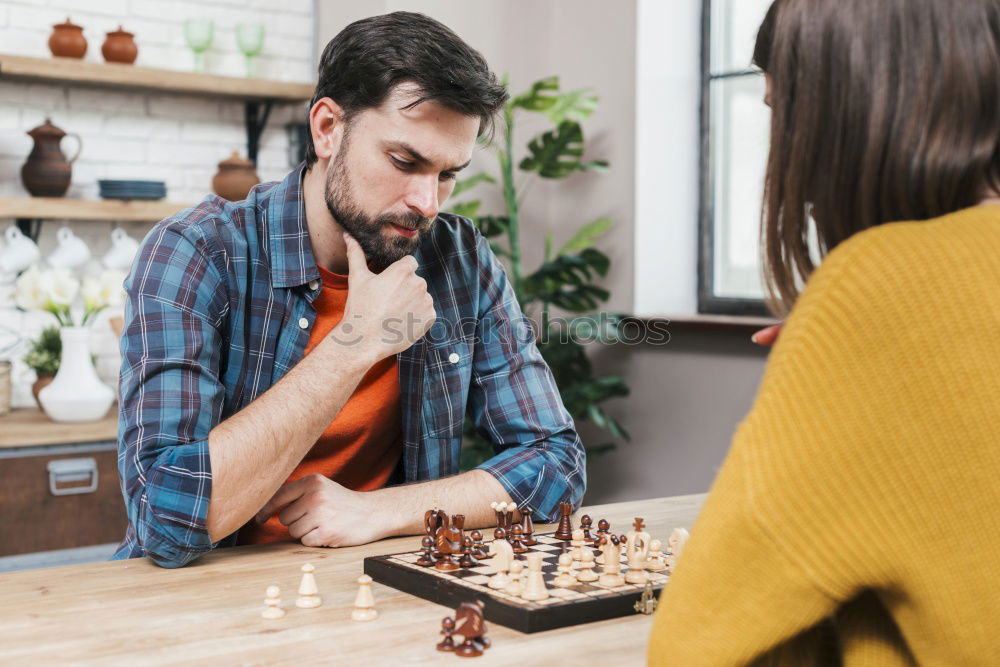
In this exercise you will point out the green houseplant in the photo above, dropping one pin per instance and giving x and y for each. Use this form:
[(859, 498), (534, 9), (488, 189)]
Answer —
[(43, 357), (565, 279)]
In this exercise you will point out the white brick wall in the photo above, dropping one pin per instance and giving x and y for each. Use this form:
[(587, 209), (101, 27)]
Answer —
[(175, 138)]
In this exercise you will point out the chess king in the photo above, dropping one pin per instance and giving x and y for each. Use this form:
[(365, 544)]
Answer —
[(290, 360)]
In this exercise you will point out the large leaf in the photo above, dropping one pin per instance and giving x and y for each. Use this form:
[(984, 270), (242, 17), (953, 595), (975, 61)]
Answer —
[(471, 182), (586, 236), (575, 105), (565, 281), (557, 153), (467, 209), (537, 97), (492, 225)]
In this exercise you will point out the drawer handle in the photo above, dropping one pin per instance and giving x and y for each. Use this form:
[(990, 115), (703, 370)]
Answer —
[(72, 470)]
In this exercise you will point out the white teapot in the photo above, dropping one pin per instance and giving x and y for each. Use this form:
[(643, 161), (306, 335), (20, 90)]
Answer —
[(19, 253), (123, 249), (70, 252)]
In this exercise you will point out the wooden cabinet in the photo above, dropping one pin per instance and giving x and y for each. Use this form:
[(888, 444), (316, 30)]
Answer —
[(58, 484)]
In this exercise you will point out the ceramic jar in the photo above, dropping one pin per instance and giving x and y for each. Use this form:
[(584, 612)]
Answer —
[(119, 47), (77, 393), (47, 172), (235, 177), (67, 40)]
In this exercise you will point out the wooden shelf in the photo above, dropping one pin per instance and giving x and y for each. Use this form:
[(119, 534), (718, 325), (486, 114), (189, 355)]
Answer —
[(30, 427), (735, 324), (129, 77), (113, 210)]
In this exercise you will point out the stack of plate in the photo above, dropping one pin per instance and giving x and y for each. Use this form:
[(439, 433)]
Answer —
[(133, 189)]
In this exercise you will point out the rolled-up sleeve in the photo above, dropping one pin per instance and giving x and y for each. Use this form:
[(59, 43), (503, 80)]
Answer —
[(516, 405), (171, 395)]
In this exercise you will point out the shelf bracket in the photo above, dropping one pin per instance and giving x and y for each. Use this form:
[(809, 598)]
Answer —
[(256, 120), (30, 227)]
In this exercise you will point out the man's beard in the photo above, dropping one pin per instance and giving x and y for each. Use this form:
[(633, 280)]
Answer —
[(379, 251)]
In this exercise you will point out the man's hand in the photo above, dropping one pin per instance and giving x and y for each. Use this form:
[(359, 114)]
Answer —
[(767, 336), (388, 312), (321, 513)]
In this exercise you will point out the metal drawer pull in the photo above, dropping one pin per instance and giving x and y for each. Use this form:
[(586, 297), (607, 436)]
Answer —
[(72, 470)]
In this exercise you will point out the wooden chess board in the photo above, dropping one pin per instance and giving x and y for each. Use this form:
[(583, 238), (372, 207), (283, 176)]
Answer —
[(580, 603)]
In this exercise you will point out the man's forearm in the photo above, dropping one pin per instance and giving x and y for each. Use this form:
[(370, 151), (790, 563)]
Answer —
[(253, 452), (470, 494)]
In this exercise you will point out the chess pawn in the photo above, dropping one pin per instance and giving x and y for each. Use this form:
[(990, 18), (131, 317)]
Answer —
[(273, 601), (478, 548), (654, 561), (578, 542), (565, 579), (364, 602), (447, 629), (603, 528), (467, 550), (427, 548), (516, 586), (528, 527), (517, 539), (308, 592), (586, 573), (534, 587), (585, 524)]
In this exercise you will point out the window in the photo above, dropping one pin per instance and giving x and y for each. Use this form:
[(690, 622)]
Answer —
[(734, 140)]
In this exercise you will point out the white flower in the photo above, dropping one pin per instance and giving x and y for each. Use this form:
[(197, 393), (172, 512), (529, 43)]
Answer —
[(60, 286), (28, 291), (104, 290)]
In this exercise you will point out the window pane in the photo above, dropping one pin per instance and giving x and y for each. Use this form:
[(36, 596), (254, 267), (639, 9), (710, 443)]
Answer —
[(734, 31), (739, 142)]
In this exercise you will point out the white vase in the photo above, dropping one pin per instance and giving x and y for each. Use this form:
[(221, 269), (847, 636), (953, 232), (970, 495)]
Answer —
[(76, 394)]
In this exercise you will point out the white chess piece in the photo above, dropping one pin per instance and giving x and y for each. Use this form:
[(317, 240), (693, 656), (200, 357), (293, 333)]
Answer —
[(637, 550), (675, 545), (654, 560), (503, 555), (576, 553), (308, 592), (273, 609), (516, 585), (534, 588), (612, 576), (587, 574), (565, 578), (364, 602)]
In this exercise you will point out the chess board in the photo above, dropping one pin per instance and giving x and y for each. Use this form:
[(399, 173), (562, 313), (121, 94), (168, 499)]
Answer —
[(580, 603)]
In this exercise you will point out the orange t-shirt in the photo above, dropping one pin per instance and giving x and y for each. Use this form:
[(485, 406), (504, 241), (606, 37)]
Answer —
[(362, 445)]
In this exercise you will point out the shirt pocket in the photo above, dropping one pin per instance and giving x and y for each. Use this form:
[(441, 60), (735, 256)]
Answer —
[(447, 378)]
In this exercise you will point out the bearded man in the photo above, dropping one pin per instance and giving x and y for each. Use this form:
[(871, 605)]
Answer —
[(299, 365)]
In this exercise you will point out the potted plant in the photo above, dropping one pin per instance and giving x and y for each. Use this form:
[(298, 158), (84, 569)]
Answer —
[(565, 280), (43, 358)]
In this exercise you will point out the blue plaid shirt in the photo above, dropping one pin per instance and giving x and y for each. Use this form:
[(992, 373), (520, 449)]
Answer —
[(216, 299)]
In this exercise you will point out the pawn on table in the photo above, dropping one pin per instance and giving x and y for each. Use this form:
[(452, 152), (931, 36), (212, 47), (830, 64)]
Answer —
[(654, 561), (308, 591), (273, 609), (447, 629), (587, 565), (364, 602), (578, 542), (516, 585), (565, 579)]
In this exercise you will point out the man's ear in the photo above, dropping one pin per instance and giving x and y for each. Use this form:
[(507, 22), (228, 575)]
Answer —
[(326, 123)]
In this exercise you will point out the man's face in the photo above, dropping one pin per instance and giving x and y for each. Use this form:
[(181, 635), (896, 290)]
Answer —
[(393, 170)]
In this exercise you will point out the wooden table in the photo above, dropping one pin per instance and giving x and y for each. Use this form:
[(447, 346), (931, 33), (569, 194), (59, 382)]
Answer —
[(209, 612)]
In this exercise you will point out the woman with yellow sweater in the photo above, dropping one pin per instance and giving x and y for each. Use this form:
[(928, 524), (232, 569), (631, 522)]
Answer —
[(856, 519)]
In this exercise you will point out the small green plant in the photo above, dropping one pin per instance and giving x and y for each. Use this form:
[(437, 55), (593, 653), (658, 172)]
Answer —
[(565, 278), (44, 354)]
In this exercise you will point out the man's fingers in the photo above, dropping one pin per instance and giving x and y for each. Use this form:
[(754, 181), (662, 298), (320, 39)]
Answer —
[(356, 262), (767, 336), (286, 494)]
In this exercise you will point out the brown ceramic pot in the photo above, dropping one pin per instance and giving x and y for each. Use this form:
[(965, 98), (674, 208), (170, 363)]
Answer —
[(41, 383), (47, 172), (119, 47), (67, 40), (235, 177)]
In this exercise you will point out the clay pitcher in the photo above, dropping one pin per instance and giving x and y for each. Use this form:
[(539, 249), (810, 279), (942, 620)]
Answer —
[(47, 173), (120, 47), (235, 178), (67, 40)]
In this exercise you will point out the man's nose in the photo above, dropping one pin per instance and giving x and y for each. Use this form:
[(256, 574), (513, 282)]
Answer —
[(422, 196)]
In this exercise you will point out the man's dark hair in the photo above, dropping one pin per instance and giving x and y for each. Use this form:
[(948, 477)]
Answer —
[(370, 57)]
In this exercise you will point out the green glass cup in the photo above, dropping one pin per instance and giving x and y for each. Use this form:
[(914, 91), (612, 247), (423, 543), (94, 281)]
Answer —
[(250, 39), (198, 33)]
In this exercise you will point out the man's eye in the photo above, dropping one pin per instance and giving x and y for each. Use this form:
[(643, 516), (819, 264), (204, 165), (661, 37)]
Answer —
[(402, 164), (447, 176)]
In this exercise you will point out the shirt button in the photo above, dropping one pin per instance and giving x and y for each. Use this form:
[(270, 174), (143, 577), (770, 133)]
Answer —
[(453, 358), (303, 323), (313, 284)]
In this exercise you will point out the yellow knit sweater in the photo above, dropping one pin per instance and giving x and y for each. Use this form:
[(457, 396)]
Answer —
[(859, 505)]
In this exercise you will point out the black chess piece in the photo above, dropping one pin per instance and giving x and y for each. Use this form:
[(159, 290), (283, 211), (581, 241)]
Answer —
[(517, 539), (427, 556), (565, 531), (447, 629), (528, 527), (478, 548), (467, 550), (585, 525)]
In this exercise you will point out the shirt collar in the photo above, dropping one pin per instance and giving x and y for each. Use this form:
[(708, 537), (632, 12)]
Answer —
[(292, 260)]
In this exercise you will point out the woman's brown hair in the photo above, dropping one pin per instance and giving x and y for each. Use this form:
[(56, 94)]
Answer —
[(882, 110)]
